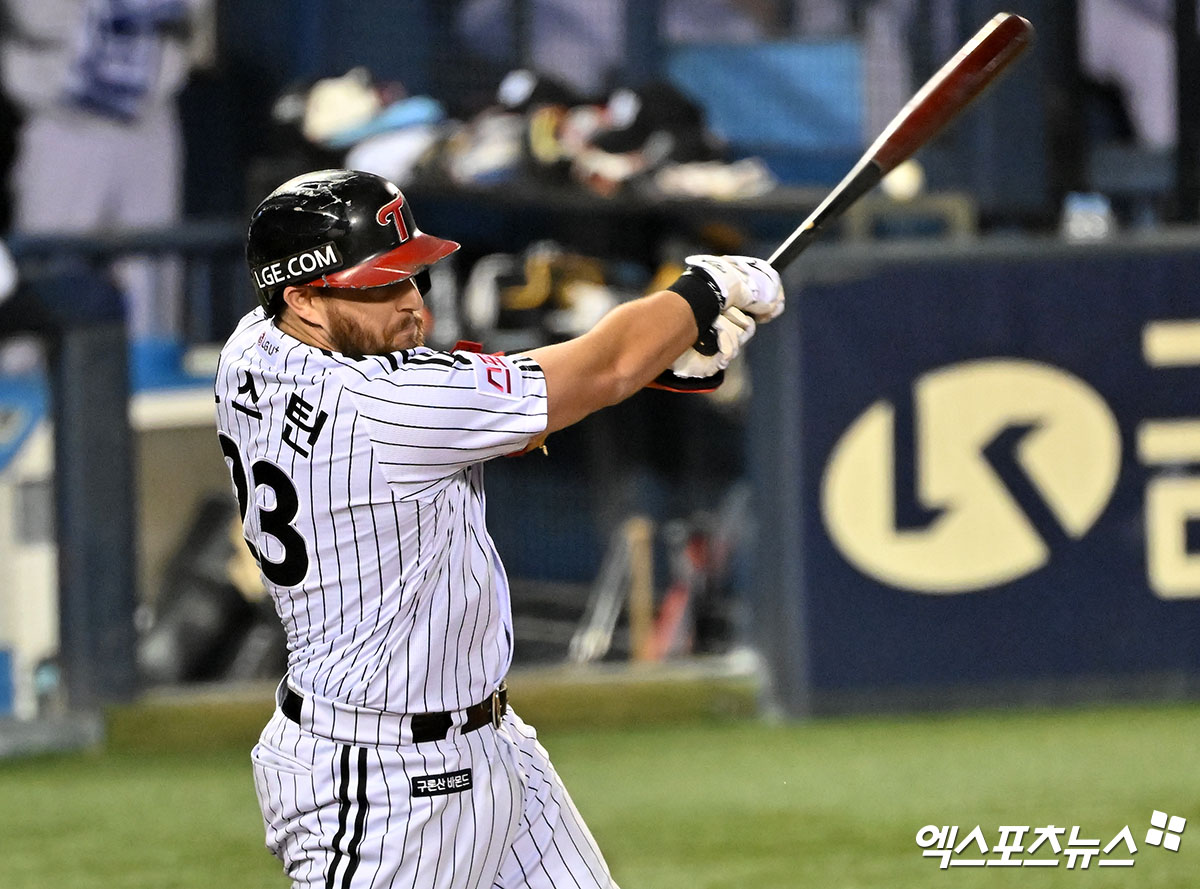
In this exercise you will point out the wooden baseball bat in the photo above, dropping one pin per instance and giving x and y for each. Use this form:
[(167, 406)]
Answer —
[(960, 81)]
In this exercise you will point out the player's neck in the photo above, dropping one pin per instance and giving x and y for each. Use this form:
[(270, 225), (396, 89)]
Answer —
[(309, 334)]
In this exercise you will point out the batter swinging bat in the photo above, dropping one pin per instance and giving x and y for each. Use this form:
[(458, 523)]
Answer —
[(944, 96)]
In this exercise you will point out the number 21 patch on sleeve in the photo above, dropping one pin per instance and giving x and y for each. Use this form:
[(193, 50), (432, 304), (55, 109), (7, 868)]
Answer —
[(497, 376)]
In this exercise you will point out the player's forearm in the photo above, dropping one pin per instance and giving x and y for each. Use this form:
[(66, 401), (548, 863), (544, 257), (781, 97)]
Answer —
[(628, 348), (645, 339)]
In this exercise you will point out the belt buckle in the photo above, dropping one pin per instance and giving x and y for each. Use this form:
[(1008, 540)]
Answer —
[(497, 711)]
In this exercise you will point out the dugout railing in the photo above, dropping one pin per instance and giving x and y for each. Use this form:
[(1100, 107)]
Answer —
[(215, 287)]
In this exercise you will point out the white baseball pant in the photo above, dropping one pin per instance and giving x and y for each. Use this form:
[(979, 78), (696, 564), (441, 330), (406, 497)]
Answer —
[(477, 810)]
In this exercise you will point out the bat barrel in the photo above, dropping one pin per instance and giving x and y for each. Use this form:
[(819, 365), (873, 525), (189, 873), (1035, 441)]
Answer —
[(955, 86)]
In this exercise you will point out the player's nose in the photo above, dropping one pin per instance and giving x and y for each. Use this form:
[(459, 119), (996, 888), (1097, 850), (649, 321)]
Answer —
[(410, 298)]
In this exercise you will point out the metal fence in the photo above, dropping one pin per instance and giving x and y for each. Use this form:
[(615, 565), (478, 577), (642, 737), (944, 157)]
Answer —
[(216, 288)]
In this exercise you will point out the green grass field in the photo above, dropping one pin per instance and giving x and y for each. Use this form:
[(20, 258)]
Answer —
[(714, 804)]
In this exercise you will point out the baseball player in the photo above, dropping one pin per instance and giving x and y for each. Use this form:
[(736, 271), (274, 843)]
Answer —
[(393, 759)]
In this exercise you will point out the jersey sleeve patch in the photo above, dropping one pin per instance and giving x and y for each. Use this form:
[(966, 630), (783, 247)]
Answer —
[(498, 376)]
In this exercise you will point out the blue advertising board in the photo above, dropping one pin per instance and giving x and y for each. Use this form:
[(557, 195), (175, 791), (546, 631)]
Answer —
[(980, 476)]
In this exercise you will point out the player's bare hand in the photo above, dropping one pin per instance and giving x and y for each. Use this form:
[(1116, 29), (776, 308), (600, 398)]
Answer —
[(745, 282)]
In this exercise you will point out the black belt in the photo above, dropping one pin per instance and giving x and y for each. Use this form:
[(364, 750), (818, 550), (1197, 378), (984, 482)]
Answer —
[(426, 726)]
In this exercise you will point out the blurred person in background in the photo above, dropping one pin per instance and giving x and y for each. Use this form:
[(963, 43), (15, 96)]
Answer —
[(95, 82), (1130, 44), (582, 42), (1125, 44)]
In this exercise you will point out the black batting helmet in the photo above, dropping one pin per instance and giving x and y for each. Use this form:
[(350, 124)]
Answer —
[(336, 228)]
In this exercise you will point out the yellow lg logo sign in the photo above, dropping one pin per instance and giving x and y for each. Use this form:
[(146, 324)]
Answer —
[(1008, 453)]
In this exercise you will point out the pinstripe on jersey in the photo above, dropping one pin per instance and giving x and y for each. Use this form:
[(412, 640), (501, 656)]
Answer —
[(387, 583)]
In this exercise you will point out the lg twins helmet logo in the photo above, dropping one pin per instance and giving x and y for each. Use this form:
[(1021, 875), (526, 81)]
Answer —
[(391, 212)]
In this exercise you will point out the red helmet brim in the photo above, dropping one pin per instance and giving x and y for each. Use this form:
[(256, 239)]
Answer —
[(412, 257)]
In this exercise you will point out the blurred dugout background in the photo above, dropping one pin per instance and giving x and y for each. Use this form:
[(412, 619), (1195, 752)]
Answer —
[(580, 149)]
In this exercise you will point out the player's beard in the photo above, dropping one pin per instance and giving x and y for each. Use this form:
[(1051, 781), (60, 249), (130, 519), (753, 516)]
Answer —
[(355, 340)]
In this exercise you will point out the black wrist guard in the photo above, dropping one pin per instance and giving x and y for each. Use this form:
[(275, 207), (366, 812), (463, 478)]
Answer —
[(702, 294)]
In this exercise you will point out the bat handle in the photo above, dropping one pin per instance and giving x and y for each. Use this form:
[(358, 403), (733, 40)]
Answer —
[(865, 175), (793, 247)]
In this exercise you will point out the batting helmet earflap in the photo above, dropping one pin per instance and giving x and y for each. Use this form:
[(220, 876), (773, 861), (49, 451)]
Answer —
[(336, 228)]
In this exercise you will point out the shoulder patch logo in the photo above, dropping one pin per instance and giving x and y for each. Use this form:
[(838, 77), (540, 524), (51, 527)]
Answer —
[(497, 376)]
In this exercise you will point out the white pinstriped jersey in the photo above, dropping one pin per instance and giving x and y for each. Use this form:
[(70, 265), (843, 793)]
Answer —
[(362, 496)]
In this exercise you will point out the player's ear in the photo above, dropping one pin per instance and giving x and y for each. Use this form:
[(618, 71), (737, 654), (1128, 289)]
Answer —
[(305, 303)]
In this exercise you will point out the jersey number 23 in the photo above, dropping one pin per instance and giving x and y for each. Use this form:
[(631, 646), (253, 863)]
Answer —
[(275, 522)]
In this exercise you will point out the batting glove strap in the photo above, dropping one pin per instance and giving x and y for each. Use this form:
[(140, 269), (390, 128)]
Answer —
[(703, 295)]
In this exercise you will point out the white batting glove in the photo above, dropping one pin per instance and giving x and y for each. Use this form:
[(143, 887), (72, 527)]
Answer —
[(745, 282), (733, 328)]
